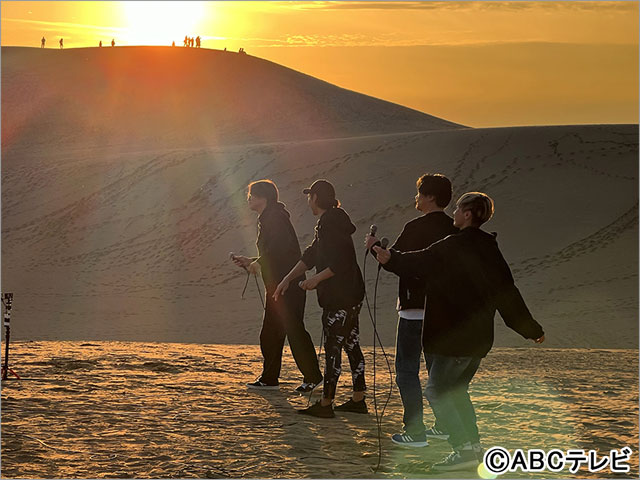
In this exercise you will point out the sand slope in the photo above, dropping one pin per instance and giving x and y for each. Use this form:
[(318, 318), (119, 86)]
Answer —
[(115, 98), (130, 241)]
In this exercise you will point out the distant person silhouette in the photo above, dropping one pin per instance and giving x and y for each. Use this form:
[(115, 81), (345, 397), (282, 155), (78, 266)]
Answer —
[(173, 44), (186, 41), (100, 44), (225, 49), (113, 42), (191, 42), (198, 41), (42, 42), (61, 44)]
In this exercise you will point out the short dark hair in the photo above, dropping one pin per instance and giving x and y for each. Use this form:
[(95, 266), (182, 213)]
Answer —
[(264, 189), (437, 185), (479, 204)]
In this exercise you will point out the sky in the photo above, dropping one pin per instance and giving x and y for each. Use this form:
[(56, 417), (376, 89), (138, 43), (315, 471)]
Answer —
[(481, 64)]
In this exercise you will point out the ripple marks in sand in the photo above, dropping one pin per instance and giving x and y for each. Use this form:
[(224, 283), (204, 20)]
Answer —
[(140, 410)]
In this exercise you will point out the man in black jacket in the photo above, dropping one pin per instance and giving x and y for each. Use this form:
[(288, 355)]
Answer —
[(340, 289), (279, 251), (433, 196), (468, 280)]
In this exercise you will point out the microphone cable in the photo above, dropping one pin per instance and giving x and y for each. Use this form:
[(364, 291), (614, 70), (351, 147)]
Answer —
[(373, 318), (246, 283)]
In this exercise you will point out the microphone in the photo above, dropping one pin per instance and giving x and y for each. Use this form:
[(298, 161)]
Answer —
[(372, 233), (232, 256)]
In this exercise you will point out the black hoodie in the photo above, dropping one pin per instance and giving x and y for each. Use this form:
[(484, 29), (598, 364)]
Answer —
[(277, 243), (332, 247), (468, 279)]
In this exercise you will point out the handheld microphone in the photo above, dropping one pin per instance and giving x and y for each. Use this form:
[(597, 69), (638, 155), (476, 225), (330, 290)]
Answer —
[(232, 256), (373, 229)]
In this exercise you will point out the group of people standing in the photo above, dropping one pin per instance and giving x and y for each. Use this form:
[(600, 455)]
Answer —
[(452, 279), (189, 41)]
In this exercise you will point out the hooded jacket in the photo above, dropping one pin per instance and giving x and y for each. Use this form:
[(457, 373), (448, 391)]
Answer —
[(277, 243), (332, 247), (468, 279), (417, 234)]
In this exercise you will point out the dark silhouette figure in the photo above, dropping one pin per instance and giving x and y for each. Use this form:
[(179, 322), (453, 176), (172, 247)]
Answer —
[(198, 41), (173, 44), (242, 51), (61, 44), (113, 42), (191, 42), (225, 49), (186, 41), (100, 44), (42, 42)]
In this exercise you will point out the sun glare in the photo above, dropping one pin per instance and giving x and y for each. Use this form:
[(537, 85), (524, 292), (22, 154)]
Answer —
[(160, 23)]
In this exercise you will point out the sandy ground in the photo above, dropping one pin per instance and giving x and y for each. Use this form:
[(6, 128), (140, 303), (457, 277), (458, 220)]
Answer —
[(140, 410)]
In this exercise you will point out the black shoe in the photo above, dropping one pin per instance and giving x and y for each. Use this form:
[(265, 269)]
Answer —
[(351, 406), (308, 387), (258, 385), (317, 410), (434, 432), (457, 460)]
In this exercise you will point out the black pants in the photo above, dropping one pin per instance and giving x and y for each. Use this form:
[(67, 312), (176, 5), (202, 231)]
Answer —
[(341, 330), (285, 319)]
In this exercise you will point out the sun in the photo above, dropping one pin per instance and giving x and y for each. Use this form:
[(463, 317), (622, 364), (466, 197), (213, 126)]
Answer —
[(160, 23)]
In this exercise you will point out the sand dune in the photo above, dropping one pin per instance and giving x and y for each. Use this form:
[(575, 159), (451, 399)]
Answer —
[(128, 239), (175, 97), (133, 410)]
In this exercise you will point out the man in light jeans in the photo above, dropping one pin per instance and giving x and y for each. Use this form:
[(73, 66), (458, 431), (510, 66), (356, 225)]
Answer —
[(433, 196)]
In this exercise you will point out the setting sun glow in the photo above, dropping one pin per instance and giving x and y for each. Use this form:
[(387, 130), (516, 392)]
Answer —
[(160, 23)]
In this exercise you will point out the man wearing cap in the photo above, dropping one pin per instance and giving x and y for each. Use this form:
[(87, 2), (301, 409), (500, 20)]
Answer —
[(340, 290), (468, 280)]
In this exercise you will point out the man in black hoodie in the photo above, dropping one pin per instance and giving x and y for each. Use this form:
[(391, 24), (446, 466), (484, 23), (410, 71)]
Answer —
[(433, 196), (279, 250), (340, 289), (468, 280)]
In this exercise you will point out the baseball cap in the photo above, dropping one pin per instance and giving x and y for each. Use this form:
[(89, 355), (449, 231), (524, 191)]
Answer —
[(322, 188)]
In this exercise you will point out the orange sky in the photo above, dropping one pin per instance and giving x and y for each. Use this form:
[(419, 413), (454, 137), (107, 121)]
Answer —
[(476, 63)]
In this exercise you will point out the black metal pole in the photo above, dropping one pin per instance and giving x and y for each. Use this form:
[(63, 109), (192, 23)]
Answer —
[(8, 298)]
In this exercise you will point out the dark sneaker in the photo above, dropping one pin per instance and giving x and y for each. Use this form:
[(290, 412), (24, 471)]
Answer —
[(317, 410), (434, 432), (258, 385), (457, 460), (479, 451), (351, 406), (305, 387), (413, 441)]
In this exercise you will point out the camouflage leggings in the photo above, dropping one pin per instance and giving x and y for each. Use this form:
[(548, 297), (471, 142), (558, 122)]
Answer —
[(341, 330)]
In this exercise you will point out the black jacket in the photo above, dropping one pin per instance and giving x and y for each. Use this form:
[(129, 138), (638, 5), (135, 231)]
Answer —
[(278, 246), (417, 234), (333, 247), (468, 280)]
